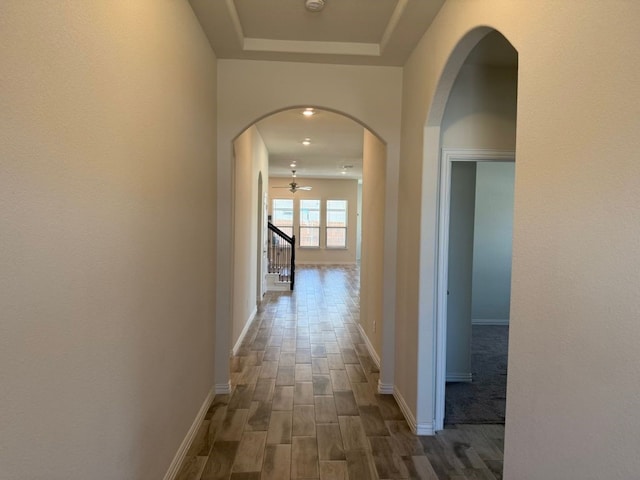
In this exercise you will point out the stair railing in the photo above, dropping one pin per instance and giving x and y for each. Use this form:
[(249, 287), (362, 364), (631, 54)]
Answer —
[(281, 254)]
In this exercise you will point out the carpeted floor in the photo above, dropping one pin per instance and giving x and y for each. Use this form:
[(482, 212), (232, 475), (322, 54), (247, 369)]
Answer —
[(483, 400)]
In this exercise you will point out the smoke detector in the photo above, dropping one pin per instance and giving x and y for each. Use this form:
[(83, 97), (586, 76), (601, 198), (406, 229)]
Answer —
[(314, 5)]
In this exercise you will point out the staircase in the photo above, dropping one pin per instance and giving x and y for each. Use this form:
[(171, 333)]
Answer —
[(281, 253)]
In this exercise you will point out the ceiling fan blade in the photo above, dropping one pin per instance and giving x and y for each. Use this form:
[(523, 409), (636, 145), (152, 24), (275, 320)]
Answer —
[(304, 188)]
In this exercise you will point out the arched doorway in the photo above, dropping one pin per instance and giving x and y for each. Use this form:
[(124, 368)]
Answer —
[(251, 157), (476, 57)]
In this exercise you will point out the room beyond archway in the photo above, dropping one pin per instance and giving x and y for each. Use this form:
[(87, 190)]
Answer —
[(344, 162)]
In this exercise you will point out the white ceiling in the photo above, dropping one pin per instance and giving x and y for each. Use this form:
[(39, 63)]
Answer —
[(371, 32), (336, 141)]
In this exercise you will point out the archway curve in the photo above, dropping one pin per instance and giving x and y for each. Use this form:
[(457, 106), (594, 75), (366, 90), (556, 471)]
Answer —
[(454, 63), (386, 350), (317, 107), (430, 385)]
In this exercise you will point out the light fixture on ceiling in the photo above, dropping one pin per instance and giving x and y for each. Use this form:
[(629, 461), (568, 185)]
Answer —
[(293, 186), (308, 112), (292, 164), (343, 172), (314, 5), (306, 142)]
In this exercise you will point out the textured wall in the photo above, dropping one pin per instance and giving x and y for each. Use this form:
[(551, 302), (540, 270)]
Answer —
[(573, 361), (481, 110), (372, 267), (107, 201), (251, 161)]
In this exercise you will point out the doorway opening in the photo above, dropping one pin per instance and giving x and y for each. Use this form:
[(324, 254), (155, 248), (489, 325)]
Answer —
[(476, 133), (478, 209)]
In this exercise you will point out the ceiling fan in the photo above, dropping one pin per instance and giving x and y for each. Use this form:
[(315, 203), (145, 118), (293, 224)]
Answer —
[(293, 186)]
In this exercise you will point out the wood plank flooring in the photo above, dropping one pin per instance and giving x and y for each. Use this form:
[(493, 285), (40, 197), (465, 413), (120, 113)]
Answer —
[(304, 402)]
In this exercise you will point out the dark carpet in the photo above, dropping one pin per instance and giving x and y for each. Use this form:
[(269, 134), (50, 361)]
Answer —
[(483, 400)]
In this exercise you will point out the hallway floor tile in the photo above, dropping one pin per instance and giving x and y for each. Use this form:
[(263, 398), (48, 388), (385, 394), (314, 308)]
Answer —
[(305, 403)]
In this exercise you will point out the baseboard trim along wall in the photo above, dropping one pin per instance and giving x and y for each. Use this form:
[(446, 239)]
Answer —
[(311, 262), (372, 351), (383, 388), (390, 389), (188, 440), (222, 388), (490, 321), (465, 377), (244, 331), (424, 428)]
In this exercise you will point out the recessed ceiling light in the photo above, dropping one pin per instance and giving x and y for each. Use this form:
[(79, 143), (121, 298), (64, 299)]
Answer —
[(307, 112), (293, 165), (306, 141), (343, 172), (314, 5)]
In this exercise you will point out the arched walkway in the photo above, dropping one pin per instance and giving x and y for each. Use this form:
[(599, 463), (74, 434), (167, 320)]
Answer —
[(375, 260)]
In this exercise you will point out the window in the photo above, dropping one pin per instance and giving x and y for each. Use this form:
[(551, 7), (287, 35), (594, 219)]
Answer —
[(336, 224), (283, 215), (309, 223)]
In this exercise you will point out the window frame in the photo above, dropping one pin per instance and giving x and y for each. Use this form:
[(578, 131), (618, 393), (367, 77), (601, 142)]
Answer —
[(288, 229), (328, 227), (300, 222)]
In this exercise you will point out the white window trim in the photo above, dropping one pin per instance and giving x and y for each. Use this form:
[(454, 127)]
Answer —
[(345, 228), (300, 226)]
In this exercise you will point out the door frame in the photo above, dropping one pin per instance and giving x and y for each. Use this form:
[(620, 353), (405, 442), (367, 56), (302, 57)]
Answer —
[(447, 157)]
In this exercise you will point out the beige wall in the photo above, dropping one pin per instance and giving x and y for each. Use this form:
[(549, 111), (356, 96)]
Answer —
[(481, 110), (249, 90), (371, 265), (107, 201), (251, 162), (572, 387), (323, 190)]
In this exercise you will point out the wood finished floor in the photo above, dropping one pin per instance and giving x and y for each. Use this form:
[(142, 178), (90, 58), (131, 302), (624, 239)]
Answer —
[(304, 402)]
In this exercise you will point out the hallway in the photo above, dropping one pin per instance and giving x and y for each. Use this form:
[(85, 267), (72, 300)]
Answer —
[(304, 402)]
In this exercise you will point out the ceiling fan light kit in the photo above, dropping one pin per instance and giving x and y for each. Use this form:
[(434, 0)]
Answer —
[(314, 5)]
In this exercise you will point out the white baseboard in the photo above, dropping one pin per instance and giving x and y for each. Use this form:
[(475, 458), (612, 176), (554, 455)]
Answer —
[(466, 377), (388, 388), (490, 321), (423, 428), (222, 388), (188, 440), (320, 262), (275, 285), (243, 334), (372, 351), (385, 388)]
